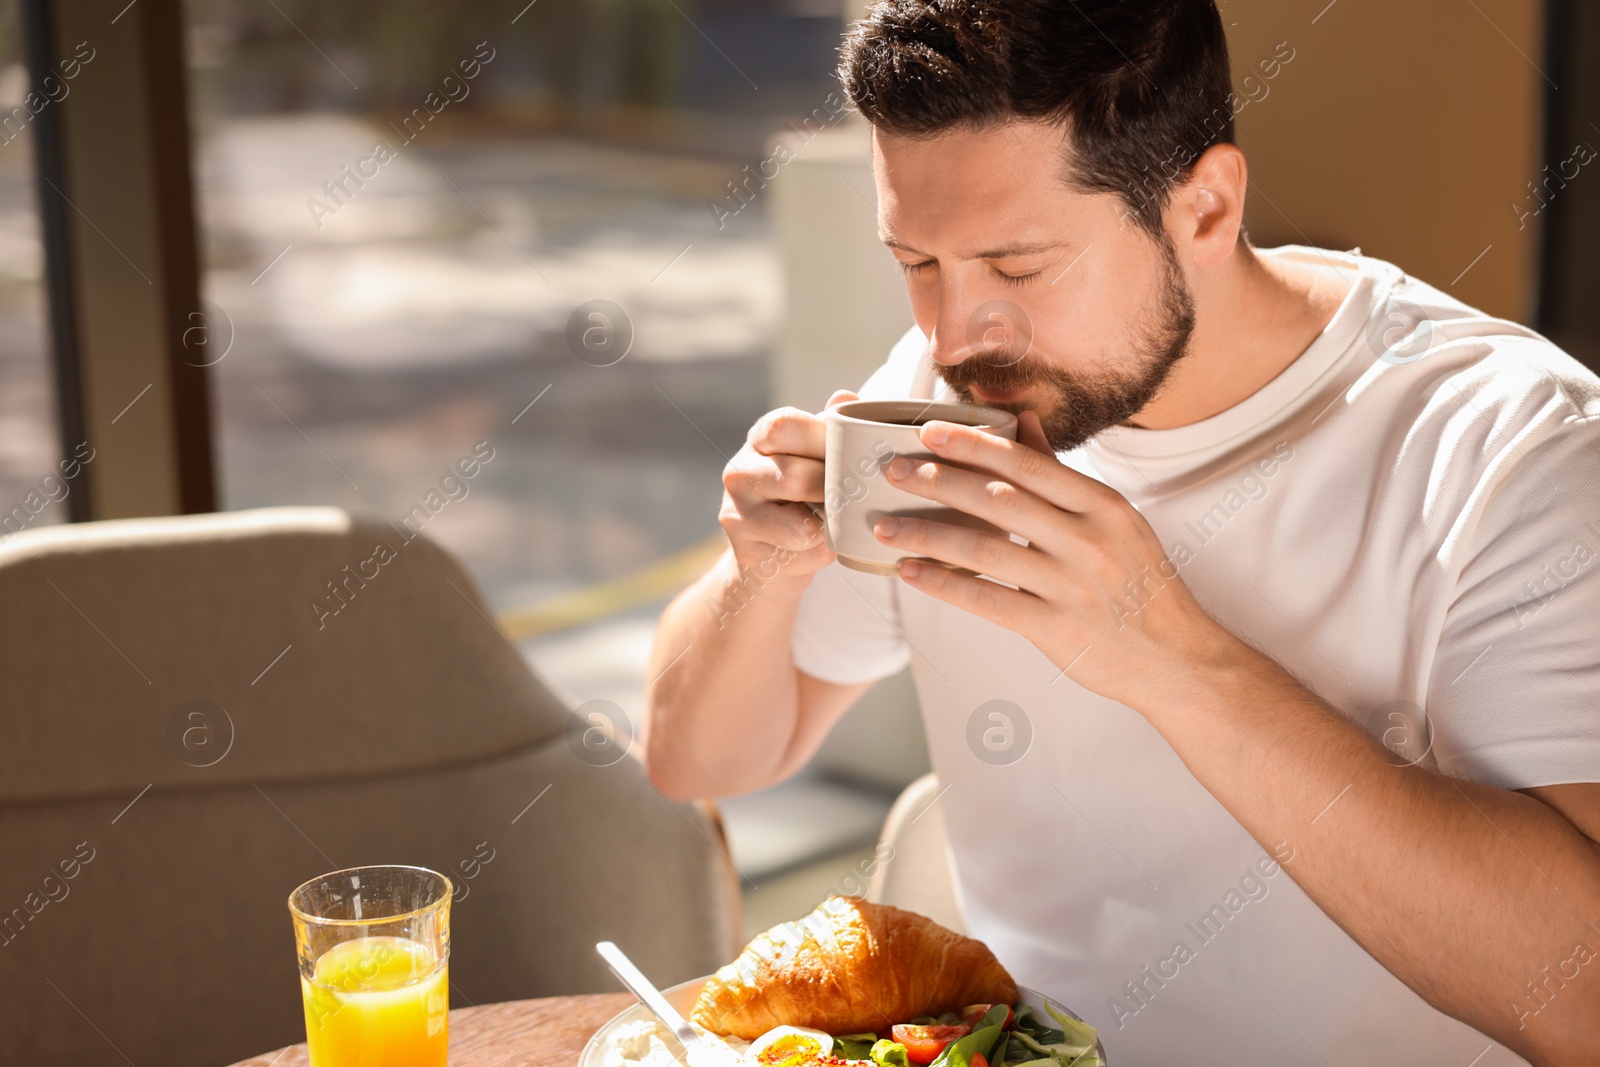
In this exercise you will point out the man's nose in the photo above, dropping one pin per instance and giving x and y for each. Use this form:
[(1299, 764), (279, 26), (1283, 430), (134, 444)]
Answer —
[(979, 325), (952, 340)]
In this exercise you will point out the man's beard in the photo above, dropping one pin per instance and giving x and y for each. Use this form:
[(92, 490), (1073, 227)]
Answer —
[(1083, 405)]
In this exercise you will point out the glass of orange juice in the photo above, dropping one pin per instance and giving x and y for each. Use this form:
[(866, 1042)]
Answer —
[(374, 947)]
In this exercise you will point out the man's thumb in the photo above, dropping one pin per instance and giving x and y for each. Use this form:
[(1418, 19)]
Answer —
[(1030, 432), (840, 396)]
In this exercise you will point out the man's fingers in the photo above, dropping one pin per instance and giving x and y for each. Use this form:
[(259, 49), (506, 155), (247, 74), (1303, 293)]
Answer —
[(810, 560), (1030, 432), (1021, 464), (1001, 501), (780, 477), (794, 527), (789, 431), (986, 599), (793, 431), (979, 551)]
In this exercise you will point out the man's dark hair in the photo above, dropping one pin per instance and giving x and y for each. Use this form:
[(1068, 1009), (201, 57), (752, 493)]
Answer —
[(1141, 86)]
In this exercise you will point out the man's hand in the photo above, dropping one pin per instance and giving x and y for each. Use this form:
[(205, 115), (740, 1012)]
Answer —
[(1406, 852), (723, 648), (1095, 589), (766, 487)]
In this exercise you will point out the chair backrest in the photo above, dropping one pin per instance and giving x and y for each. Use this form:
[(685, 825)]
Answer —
[(201, 712), (913, 866)]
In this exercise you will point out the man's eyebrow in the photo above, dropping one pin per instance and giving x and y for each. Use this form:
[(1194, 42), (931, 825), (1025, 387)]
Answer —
[(1020, 248), (894, 242)]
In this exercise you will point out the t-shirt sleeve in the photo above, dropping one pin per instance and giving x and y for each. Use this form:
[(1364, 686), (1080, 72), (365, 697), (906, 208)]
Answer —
[(1514, 691), (848, 627)]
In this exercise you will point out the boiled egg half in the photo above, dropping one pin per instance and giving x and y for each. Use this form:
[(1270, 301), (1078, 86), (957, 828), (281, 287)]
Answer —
[(788, 1046)]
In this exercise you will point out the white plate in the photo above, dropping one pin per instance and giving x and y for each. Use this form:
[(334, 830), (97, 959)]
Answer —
[(683, 997)]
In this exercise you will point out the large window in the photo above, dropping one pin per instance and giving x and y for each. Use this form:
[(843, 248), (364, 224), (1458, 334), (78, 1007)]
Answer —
[(32, 488), (427, 226)]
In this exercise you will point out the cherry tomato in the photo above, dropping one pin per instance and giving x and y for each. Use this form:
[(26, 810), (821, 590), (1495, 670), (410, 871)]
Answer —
[(978, 1060), (972, 1014), (924, 1043)]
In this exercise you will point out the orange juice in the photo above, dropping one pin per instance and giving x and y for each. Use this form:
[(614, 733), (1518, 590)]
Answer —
[(377, 1002)]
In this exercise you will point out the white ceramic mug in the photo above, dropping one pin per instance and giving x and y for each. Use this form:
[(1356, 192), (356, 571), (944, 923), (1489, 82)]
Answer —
[(863, 437)]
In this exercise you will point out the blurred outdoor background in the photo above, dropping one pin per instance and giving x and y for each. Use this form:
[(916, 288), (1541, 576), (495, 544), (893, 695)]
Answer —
[(430, 309), (371, 313)]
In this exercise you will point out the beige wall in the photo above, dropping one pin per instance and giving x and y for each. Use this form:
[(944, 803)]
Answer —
[(845, 301), (1405, 127)]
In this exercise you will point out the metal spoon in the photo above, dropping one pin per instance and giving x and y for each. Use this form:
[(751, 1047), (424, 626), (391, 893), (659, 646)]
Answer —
[(702, 1051)]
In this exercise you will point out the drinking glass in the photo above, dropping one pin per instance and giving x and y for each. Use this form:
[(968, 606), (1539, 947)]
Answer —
[(374, 948)]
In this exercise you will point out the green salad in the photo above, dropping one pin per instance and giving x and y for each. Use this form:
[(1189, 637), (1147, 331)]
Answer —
[(982, 1035)]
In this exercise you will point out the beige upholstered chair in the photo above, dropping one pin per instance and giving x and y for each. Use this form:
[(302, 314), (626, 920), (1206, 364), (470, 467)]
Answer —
[(915, 873), (373, 714)]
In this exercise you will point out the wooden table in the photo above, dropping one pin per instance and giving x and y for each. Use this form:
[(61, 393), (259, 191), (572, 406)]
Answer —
[(548, 1032)]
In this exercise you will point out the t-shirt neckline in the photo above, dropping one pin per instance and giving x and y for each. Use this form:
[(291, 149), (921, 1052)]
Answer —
[(1348, 323)]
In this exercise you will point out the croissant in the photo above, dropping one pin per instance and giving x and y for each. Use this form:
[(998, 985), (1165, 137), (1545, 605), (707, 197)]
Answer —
[(850, 967)]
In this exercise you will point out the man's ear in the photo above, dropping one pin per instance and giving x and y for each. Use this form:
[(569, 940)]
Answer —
[(1207, 211)]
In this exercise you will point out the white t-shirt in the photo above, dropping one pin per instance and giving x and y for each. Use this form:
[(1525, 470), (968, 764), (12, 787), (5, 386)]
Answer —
[(1405, 519)]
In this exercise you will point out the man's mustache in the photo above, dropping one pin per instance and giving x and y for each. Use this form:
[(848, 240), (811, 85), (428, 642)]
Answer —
[(997, 371)]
